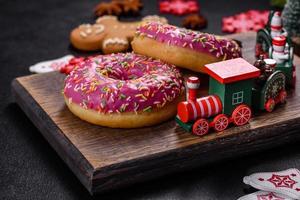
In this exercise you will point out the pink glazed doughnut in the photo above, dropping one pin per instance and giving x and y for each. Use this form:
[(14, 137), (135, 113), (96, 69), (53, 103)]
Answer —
[(123, 90), (182, 47)]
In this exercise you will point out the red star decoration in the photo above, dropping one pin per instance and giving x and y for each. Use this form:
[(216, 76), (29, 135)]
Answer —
[(67, 68), (282, 181), (251, 20), (269, 196), (178, 7)]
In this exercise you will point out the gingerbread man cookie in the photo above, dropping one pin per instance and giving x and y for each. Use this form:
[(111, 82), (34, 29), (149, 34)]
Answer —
[(107, 34)]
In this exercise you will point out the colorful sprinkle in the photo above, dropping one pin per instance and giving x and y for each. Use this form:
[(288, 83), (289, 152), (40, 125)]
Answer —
[(198, 41), (119, 83)]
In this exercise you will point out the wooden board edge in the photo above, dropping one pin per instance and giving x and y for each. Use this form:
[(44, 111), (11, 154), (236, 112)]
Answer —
[(73, 158), (149, 167)]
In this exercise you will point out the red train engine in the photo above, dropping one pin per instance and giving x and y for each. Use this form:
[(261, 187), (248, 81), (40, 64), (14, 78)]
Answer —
[(229, 99)]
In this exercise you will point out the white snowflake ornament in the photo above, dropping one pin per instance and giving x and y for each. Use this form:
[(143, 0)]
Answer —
[(50, 65), (263, 195), (286, 182)]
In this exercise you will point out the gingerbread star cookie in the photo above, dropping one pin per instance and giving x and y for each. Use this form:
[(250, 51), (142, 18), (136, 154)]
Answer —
[(130, 6), (194, 21), (107, 34), (118, 7), (108, 8)]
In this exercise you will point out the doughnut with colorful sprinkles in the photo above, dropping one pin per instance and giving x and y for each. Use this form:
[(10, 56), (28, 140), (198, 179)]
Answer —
[(123, 90), (182, 47)]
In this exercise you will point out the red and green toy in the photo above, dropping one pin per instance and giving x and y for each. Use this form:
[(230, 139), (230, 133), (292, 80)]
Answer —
[(235, 86), (273, 42)]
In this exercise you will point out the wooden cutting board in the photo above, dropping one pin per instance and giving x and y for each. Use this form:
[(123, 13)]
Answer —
[(104, 158)]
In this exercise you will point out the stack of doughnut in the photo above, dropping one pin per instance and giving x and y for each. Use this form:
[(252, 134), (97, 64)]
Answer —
[(131, 90), (123, 90), (182, 47)]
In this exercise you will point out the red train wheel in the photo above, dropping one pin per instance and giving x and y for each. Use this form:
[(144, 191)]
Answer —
[(201, 127), (282, 96), (221, 122), (270, 105), (241, 115)]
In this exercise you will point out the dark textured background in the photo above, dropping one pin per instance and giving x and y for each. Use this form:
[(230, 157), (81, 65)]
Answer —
[(32, 31)]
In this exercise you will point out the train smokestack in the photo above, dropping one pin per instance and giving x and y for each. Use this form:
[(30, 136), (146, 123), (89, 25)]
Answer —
[(193, 84)]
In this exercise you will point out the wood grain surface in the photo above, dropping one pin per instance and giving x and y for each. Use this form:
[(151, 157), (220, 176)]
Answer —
[(105, 158)]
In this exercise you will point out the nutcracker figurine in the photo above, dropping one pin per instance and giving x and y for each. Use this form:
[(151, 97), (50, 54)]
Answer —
[(273, 42), (274, 28)]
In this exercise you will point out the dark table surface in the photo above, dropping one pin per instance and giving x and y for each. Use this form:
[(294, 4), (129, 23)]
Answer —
[(32, 31)]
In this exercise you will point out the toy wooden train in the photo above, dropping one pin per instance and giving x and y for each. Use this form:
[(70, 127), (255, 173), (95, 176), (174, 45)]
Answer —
[(235, 86)]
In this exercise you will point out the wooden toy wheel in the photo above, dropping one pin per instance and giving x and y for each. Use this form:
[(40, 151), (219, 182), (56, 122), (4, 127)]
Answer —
[(274, 85), (270, 105), (201, 127), (282, 96), (221, 122), (241, 115)]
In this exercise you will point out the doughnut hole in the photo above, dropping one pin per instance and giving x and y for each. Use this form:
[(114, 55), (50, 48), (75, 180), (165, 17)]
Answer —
[(121, 73)]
